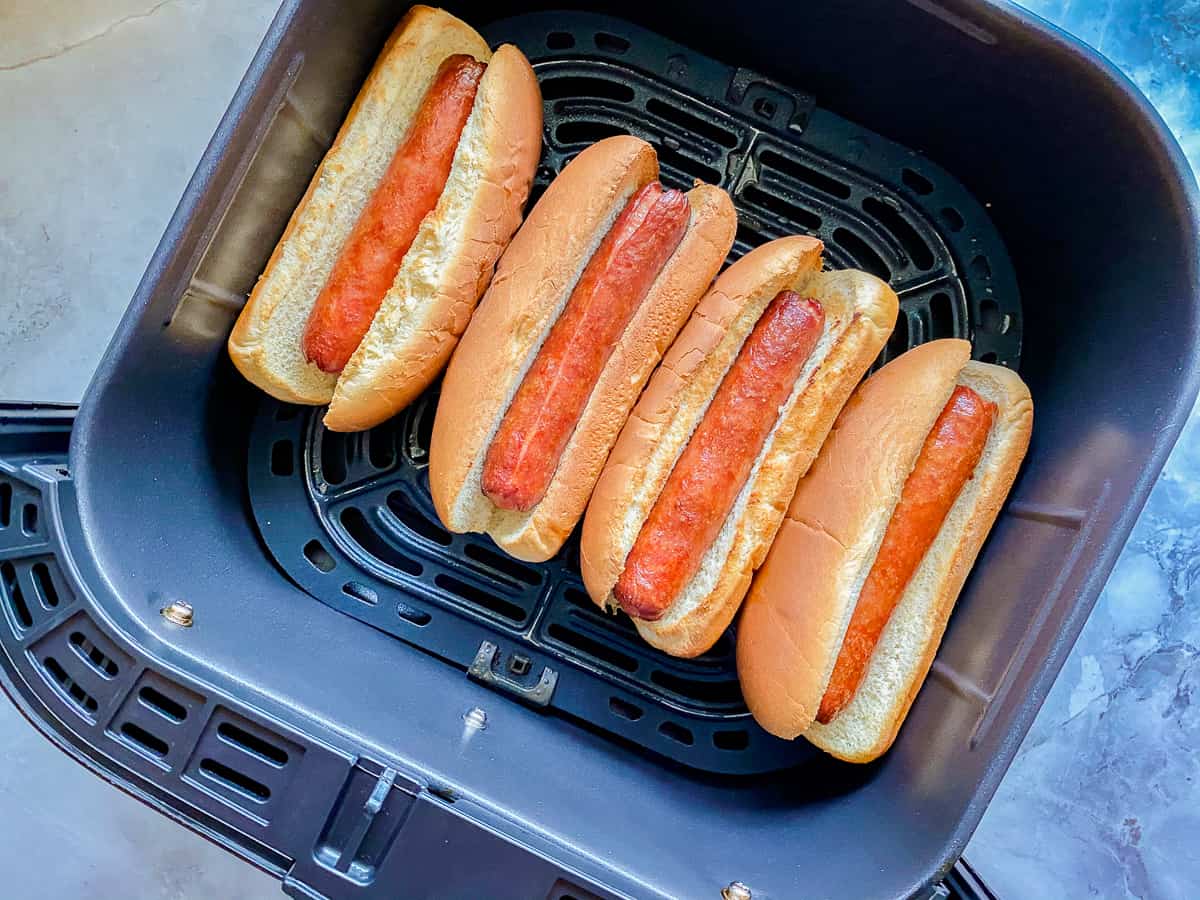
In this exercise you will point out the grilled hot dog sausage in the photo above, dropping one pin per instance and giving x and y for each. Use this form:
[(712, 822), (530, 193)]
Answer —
[(524, 454), (714, 466), (407, 193), (946, 462)]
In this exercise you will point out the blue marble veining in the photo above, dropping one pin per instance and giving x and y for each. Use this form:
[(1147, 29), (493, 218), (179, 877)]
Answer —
[(1103, 799)]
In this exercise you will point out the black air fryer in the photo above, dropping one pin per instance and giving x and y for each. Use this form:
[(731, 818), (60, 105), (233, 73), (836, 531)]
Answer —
[(261, 629)]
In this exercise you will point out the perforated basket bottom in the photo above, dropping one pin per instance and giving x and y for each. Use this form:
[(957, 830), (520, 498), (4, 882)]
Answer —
[(349, 518)]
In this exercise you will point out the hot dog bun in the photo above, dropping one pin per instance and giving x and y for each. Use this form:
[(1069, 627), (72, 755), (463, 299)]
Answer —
[(451, 259), (860, 312), (533, 281), (798, 609)]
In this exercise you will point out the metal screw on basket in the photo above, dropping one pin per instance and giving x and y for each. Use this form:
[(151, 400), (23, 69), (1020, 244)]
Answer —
[(735, 890), (178, 612), (475, 718)]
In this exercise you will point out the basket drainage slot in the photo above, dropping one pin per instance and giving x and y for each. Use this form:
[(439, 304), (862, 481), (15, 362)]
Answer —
[(252, 744), (6, 493), (16, 597), (624, 709), (93, 656), (802, 173), (360, 592), (416, 521), (417, 617), (504, 564), (478, 597), (677, 733), (235, 781), (731, 740), (916, 181), (45, 585), (162, 704), (81, 698), (316, 554), (155, 746)]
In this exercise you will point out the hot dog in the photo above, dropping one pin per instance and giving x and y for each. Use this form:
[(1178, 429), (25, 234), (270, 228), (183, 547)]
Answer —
[(407, 193), (845, 616), (529, 443), (592, 289), (698, 481), (949, 456), (395, 240), (714, 465)]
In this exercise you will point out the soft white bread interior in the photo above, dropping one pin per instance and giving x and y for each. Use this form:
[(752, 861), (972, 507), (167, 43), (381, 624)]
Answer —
[(796, 616), (454, 253), (860, 312), (533, 282), (425, 310)]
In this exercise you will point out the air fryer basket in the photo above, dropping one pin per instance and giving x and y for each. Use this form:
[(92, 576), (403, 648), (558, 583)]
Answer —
[(574, 762)]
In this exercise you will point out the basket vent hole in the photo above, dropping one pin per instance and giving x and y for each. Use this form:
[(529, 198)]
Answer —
[(792, 212), (503, 564), (731, 740), (592, 647), (991, 319), (891, 219), (574, 86), (260, 749), (361, 532), (360, 592), (81, 698), (410, 614), (233, 780), (560, 40), (750, 236), (162, 704), (316, 554), (6, 494), (689, 122), (898, 342), (333, 458), (281, 459), (93, 655), (624, 709), (45, 585), (16, 597), (143, 739), (610, 43), (580, 598), (980, 268), (941, 315), (381, 447), (805, 175), (691, 168), (479, 597), (989, 357), (862, 253), (916, 181), (29, 518), (952, 218), (677, 733), (416, 521), (585, 132), (723, 691)]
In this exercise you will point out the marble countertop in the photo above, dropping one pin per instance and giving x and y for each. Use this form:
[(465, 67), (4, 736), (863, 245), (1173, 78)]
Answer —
[(109, 104)]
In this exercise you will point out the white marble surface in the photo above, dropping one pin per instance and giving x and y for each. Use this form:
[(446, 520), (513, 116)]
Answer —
[(107, 106)]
